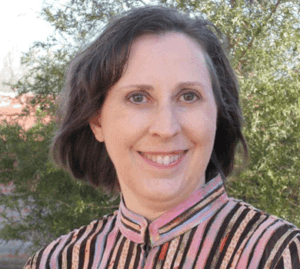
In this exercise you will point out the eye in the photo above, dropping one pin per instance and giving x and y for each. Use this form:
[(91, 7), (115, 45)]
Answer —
[(190, 96), (136, 97)]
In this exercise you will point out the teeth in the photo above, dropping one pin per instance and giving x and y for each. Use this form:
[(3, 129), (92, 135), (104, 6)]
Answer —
[(160, 159), (165, 160)]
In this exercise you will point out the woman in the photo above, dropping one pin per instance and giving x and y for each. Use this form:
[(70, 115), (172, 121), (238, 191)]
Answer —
[(151, 112)]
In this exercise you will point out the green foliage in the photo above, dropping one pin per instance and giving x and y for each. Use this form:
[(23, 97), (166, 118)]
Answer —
[(48, 201), (263, 40)]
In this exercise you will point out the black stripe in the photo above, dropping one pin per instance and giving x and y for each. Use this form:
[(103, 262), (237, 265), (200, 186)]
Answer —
[(177, 250), (120, 250), (276, 236), (244, 234), (284, 244), (138, 256), (186, 212), (254, 231), (50, 254), (83, 246), (129, 227), (260, 236), (29, 262), (211, 193), (59, 256), (220, 235), (71, 246), (113, 248), (38, 261), (130, 251), (93, 243), (191, 215), (280, 264), (187, 247), (232, 232), (207, 228), (295, 257)]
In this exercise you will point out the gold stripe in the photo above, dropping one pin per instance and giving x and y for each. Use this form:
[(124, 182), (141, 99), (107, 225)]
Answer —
[(182, 249), (64, 254), (286, 255), (135, 246), (116, 247), (76, 248), (88, 245), (236, 238), (250, 233), (171, 252), (226, 234), (124, 255)]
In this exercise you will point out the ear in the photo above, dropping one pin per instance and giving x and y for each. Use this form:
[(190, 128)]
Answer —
[(96, 127)]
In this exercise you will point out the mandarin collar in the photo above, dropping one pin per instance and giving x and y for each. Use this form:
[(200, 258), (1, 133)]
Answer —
[(197, 208)]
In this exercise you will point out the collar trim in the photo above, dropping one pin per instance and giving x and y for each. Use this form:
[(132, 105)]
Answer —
[(199, 207)]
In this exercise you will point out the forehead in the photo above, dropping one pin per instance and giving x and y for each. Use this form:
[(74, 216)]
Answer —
[(175, 44), (170, 52)]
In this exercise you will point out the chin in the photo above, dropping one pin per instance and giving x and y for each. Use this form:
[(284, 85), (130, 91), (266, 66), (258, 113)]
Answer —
[(163, 193)]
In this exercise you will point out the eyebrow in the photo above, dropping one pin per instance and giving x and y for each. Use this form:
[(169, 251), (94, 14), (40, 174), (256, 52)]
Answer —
[(178, 85)]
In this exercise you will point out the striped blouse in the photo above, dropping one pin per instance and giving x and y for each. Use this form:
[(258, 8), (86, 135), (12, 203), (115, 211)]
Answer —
[(207, 230)]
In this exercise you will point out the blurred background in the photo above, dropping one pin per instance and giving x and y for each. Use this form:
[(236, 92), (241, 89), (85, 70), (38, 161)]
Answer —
[(39, 202)]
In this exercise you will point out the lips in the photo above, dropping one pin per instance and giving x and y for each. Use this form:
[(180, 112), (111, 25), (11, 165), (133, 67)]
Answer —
[(163, 160), (163, 153)]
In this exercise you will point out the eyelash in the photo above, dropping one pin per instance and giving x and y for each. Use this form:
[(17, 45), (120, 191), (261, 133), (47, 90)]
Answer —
[(144, 94)]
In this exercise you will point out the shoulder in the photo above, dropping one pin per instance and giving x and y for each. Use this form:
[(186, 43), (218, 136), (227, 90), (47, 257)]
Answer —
[(65, 246), (270, 242)]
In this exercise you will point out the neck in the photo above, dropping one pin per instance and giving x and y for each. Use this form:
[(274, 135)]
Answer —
[(153, 208), (142, 208)]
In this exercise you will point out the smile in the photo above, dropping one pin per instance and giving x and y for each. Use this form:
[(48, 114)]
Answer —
[(163, 161)]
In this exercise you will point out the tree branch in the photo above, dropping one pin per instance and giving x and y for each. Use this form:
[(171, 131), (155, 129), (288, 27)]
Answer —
[(259, 29)]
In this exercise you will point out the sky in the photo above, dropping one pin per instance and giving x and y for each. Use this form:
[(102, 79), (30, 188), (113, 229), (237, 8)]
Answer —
[(20, 26)]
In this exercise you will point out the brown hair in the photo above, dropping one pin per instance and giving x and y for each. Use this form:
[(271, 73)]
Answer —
[(97, 68)]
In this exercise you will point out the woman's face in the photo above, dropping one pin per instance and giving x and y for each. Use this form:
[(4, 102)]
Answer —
[(163, 103)]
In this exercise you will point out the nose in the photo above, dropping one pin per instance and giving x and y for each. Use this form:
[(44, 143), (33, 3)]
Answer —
[(165, 123)]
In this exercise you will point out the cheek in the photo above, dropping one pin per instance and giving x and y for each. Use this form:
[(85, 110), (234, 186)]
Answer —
[(122, 129), (202, 126), (132, 124), (120, 120)]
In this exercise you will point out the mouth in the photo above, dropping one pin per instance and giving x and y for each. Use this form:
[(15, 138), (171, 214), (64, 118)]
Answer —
[(164, 153), (163, 160)]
